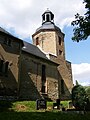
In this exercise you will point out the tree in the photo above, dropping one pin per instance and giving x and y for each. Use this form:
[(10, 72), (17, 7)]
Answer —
[(79, 97), (77, 82), (82, 23), (87, 89)]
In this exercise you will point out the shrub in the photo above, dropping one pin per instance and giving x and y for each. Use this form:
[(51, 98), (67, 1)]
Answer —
[(79, 97), (87, 89)]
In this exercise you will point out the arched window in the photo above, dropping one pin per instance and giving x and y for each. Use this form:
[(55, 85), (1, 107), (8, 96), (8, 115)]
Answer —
[(47, 18)]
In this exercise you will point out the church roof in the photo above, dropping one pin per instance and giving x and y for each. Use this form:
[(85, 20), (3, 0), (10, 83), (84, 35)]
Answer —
[(34, 50), (29, 48), (4, 31)]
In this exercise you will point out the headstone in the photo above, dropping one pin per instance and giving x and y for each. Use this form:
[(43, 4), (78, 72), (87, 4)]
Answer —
[(57, 104), (70, 105), (63, 109), (41, 104)]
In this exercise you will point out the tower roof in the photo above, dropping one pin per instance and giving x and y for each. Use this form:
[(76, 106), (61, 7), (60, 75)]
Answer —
[(48, 11), (48, 22), (48, 26)]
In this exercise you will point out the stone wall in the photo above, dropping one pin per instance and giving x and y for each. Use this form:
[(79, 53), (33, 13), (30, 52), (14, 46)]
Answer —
[(9, 53), (47, 45), (31, 81), (52, 42), (65, 72)]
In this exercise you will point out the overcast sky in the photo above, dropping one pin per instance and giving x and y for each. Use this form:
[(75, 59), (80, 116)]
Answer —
[(23, 17)]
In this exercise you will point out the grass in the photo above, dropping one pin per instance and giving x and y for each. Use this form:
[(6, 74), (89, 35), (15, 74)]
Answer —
[(65, 103), (26, 110)]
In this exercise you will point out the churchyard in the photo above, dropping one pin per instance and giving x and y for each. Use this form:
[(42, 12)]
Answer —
[(27, 110)]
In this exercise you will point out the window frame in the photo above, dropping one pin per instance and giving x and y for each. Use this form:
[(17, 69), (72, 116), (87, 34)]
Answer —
[(4, 68), (43, 79), (62, 87)]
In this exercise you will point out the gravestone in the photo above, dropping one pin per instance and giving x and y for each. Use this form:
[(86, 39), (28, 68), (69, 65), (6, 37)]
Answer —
[(57, 104), (41, 104), (70, 105)]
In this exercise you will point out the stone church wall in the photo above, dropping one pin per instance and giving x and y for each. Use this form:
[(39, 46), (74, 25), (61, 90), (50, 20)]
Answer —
[(9, 70), (31, 81), (66, 76), (43, 41)]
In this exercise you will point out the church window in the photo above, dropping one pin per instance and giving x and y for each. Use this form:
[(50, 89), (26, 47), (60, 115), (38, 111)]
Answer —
[(37, 41), (60, 52), (4, 67), (47, 18), (62, 87), (1, 65), (7, 41), (43, 79), (59, 38)]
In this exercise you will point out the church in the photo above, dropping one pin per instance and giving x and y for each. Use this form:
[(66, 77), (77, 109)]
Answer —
[(38, 70)]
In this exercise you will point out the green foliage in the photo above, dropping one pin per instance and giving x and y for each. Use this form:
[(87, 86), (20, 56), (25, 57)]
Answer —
[(5, 106), (65, 103), (25, 110), (42, 116), (79, 97), (87, 89), (77, 82), (24, 106), (82, 23)]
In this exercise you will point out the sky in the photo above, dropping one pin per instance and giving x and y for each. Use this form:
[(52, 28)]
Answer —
[(22, 17)]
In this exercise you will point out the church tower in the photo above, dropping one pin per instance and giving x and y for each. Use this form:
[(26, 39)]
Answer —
[(50, 39)]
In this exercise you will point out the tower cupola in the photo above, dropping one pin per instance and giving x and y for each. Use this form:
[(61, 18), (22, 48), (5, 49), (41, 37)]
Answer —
[(47, 16), (49, 37)]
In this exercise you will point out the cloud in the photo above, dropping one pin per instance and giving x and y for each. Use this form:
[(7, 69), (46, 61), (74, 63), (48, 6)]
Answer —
[(24, 16), (81, 73)]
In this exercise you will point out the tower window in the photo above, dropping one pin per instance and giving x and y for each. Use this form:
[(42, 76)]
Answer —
[(60, 52), (43, 89), (44, 17), (59, 38), (37, 41), (47, 18)]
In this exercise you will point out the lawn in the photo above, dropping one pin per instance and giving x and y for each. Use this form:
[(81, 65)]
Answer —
[(26, 110)]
